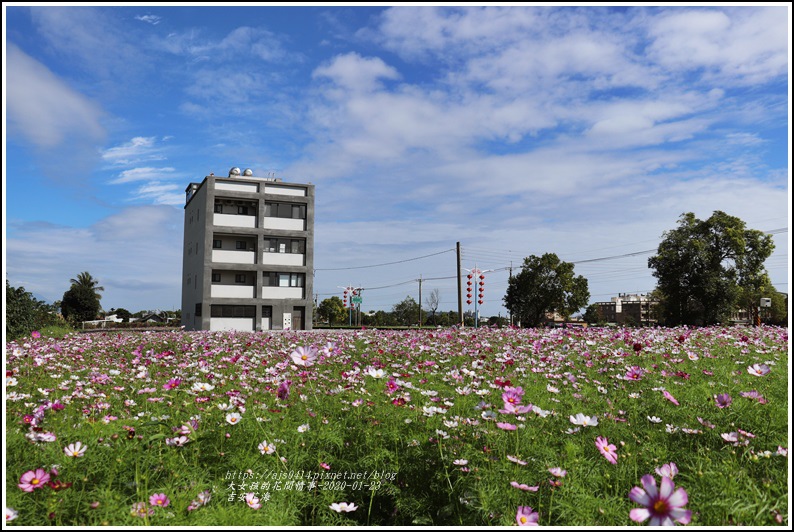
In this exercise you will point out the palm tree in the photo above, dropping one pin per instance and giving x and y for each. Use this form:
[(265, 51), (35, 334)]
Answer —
[(85, 280)]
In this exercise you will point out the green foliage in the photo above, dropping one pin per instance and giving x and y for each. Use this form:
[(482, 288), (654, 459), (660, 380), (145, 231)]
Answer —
[(592, 315), (406, 312), (333, 311), (704, 269), (79, 304), (25, 313), (545, 285)]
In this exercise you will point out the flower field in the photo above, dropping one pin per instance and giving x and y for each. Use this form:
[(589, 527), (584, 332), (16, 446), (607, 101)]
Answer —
[(602, 427)]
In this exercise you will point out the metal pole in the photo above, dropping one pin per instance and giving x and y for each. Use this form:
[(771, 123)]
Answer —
[(460, 296), (420, 300)]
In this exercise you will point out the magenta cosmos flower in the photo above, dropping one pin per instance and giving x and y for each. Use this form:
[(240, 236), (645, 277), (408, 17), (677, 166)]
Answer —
[(159, 499), (669, 397), (607, 450), (33, 480), (303, 356), (664, 506), (525, 516)]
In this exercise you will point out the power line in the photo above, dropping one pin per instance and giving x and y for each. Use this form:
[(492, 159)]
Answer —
[(383, 264)]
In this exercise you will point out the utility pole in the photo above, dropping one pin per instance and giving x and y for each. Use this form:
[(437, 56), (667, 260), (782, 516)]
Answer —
[(510, 278), (420, 300), (460, 296)]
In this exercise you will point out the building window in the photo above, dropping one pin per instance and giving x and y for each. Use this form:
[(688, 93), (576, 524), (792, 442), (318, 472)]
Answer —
[(239, 278), (219, 208), (232, 311), (216, 277), (285, 210), (267, 312), (241, 209), (241, 244), (283, 279), (283, 245), (198, 309), (217, 244)]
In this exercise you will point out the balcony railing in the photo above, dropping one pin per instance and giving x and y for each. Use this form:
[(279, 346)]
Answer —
[(236, 257), (289, 224), (282, 292), (234, 220), (236, 291), (283, 259)]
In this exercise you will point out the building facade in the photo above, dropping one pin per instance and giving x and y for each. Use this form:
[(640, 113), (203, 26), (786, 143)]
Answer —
[(628, 309), (248, 254)]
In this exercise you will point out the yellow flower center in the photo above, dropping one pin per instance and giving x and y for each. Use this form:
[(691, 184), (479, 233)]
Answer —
[(523, 520), (34, 481), (661, 507)]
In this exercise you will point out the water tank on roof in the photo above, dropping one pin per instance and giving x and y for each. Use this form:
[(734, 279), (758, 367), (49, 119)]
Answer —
[(248, 172), (234, 171)]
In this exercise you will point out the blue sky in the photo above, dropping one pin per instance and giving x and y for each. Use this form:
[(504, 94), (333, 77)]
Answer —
[(516, 131)]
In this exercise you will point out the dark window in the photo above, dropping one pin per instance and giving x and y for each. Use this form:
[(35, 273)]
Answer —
[(198, 309), (241, 244), (216, 278), (239, 278), (219, 208), (217, 244), (285, 210), (242, 209), (267, 312)]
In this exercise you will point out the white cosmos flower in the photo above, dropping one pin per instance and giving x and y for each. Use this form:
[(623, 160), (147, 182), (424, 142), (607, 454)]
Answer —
[(233, 418), (654, 419), (202, 387), (343, 507), (583, 420), (75, 449), (304, 428), (376, 373), (267, 448)]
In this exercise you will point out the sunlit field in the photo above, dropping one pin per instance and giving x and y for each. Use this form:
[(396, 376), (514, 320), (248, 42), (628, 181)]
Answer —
[(605, 427)]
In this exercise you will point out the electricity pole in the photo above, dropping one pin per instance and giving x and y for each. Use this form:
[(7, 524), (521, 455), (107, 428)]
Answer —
[(420, 300), (460, 295)]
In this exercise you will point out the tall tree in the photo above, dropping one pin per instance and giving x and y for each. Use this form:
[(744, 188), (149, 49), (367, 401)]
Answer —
[(85, 280), (333, 310), (545, 285), (25, 313), (433, 300), (81, 301), (406, 312), (703, 267)]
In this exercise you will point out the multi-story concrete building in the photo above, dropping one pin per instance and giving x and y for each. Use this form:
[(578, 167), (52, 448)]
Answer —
[(635, 309), (248, 255)]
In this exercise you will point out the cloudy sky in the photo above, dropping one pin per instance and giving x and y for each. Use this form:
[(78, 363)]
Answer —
[(516, 131)]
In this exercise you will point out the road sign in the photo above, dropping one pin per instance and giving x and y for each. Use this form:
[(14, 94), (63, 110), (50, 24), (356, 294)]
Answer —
[(355, 300)]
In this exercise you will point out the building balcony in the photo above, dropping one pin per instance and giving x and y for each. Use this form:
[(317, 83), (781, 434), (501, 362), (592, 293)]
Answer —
[(288, 224), (234, 257), (283, 259), (232, 324), (285, 190), (234, 220), (282, 292), (232, 291), (236, 187)]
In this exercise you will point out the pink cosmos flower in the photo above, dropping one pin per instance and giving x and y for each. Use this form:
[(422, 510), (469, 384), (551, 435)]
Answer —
[(515, 409), (171, 384), (667, 470), (513, 395), (722, 400), (506, 426), (11, 514), (33, 480), (139, 509), (634, 374), (35, 334), (759, 370), (252, 501), (607, 450), (516, 460), (664, 506), (669, 397), (558, 471), (303, 356), (523, 487), (159, 499), (525, 516)]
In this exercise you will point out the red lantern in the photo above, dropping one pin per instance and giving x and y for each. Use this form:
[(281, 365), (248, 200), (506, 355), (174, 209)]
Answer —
[(482, 277), (468, 301), (480, 301), (470, 276)]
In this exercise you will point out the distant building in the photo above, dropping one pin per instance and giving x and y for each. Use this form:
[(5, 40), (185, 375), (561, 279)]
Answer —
[(248, 254), (628, 309)]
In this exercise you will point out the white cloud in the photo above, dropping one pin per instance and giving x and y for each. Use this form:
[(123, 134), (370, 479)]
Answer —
[(741, 45), (134, 151), (135, 254), (356, 73), (147, 173), (161, 193), (44, 109), (150, 19)]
